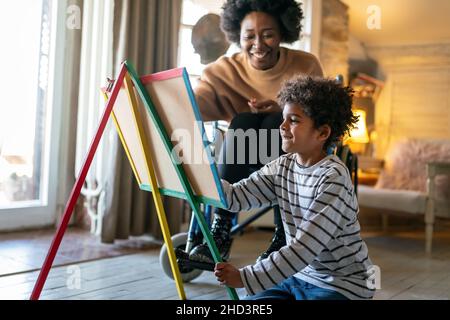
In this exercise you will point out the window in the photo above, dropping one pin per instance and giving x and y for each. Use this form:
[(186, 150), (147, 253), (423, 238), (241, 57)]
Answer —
[(25, 25), (30, 110), (305, 40)]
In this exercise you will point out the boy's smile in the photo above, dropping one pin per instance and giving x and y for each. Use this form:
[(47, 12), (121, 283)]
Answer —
[(296, 130), (299, 135)]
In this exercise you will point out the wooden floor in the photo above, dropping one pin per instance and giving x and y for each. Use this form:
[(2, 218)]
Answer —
[(406, 272), (25, 251)]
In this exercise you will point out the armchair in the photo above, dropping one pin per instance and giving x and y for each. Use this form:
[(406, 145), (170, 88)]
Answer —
[(415, 180)]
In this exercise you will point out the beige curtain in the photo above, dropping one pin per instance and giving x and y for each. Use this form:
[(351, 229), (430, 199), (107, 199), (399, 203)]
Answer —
[(145, 33), (68, 139)]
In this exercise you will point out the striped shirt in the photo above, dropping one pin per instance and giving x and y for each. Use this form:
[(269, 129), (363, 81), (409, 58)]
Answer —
[(319, 211)]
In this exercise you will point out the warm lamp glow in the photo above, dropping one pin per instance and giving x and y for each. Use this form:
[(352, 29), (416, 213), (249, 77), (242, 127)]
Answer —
[(360, 134)]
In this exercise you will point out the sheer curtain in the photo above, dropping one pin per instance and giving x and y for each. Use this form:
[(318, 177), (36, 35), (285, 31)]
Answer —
[(95, 66), (69, 108)]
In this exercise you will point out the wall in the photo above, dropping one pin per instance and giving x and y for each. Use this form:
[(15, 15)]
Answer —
[(415, 102), (334, 40)]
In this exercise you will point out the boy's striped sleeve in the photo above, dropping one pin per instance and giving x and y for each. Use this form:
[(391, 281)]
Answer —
[(256, 191)]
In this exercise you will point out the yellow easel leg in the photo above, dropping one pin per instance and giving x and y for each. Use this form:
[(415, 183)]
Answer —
[(155, 192), (158, 203), (166, 234)]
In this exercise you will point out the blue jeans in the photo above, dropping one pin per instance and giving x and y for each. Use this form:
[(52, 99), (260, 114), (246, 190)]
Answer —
[(294, 288)]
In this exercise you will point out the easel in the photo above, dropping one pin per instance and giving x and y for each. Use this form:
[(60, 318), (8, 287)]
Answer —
[(128, 78)]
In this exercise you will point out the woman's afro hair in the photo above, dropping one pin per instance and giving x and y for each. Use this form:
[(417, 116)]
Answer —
[(288, 13), (325, 101)]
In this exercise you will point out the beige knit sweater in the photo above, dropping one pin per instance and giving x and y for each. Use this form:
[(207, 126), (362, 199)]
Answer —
[(228, 84)]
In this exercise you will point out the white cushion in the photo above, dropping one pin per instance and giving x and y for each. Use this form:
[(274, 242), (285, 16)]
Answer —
[(397, 200)]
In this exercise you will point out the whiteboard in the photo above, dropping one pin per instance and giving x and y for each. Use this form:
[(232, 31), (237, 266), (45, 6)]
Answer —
[(171, 95)]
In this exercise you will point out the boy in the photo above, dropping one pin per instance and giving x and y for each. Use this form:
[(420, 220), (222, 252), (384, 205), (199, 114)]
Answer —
[(325, 257)]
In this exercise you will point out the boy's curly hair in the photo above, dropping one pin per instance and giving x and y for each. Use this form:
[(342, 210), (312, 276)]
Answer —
[(288, 13), (325, 101)]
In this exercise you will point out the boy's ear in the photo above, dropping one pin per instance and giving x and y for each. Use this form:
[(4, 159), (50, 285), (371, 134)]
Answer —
[(324, 132)]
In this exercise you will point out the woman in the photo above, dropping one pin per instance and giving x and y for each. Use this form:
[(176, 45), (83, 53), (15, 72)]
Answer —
[(242, 90)]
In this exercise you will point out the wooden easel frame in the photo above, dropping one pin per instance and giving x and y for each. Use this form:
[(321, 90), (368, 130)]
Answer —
[(127, 76)]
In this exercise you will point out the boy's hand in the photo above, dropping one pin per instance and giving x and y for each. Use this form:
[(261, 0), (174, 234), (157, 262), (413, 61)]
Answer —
[(228, 275), (266, 106)]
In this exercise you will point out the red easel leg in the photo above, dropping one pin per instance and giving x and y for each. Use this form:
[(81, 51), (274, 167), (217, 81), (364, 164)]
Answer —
[(77, 189)]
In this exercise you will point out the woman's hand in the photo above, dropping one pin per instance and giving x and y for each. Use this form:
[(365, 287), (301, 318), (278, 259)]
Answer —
[(265, 106), (228, 275)]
